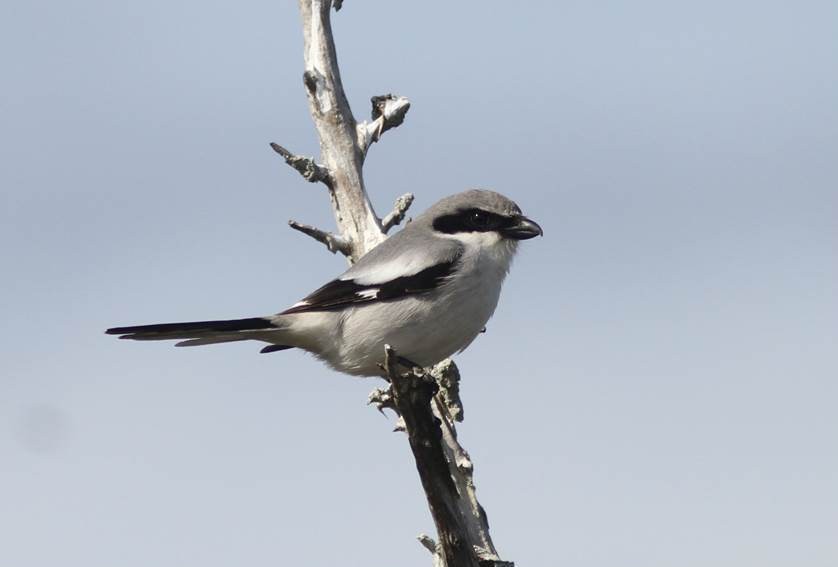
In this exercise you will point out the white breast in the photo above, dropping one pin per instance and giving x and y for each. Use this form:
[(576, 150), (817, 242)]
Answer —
[(430, 327)]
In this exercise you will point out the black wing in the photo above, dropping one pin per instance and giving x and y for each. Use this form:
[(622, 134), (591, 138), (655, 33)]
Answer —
[(340, 293)]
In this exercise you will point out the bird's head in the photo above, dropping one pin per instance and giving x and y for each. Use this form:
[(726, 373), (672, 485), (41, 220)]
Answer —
[(480, 217)]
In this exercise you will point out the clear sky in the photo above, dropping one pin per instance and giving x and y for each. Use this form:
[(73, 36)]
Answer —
[(657, 388)]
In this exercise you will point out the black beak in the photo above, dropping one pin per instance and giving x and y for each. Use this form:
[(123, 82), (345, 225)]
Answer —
[(522, 229)]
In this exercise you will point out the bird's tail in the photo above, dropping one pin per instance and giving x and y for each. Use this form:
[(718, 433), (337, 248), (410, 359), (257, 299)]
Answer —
[(205, 332)]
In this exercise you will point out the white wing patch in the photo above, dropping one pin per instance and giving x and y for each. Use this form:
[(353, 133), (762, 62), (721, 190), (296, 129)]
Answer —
[(371, 293), (403, 265)]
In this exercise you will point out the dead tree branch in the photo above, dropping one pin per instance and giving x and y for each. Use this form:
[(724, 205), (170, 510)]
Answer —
[(333, 242), (427, 401), (306, 166), (397, 214), (412, 392), (337, 129), (388, 111)]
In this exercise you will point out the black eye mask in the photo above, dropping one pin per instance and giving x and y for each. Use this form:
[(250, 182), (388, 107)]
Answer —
[(472, 220)]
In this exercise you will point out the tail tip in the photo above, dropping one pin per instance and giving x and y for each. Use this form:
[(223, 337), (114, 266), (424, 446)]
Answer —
[(274, 348)]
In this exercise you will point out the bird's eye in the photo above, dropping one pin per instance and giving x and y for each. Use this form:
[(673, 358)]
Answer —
[(478, 220)]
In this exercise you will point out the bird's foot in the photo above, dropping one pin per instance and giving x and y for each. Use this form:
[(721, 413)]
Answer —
[(404, 363)]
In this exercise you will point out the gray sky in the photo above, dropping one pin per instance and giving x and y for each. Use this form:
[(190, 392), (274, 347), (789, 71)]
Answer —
[(657, 388)]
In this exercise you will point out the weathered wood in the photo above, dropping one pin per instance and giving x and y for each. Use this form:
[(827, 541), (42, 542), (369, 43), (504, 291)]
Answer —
[(413, 391), (337, 129), (428, 402), (397, 214)]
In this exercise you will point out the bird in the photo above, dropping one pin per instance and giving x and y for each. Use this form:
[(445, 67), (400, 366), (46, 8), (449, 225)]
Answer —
[(427, 291)]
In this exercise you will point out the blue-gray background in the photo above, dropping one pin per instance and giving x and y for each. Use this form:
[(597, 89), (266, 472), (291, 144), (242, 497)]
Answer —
[(657, 388)]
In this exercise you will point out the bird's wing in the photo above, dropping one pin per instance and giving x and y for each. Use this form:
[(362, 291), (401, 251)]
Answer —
[(404, 264)]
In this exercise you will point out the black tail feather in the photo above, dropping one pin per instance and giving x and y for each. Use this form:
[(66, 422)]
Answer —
[(274, 348), (251, 324)]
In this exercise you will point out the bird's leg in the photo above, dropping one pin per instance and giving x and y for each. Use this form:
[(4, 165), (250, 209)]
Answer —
[(405, 363)]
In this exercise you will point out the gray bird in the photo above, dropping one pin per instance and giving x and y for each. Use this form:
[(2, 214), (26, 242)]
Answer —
[(427, 291)]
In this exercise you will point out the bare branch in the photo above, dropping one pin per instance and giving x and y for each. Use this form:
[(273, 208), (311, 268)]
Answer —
[(306, 166), (397, 214), (447, 375), (430, 544), (461, 469), (334, 242), (412, 393), (391, 109), (381, 398), (337, 129), (338, 4), (388, 111), (427, 542), (445, 468)]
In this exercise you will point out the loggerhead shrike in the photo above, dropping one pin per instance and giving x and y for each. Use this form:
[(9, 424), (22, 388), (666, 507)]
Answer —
[(427, 291)]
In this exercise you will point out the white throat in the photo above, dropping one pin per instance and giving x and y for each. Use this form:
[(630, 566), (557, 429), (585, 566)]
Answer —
[(488, 250)]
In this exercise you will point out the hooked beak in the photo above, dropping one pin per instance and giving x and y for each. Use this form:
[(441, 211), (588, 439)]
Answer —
[(522, 229)]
